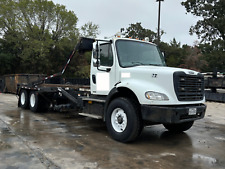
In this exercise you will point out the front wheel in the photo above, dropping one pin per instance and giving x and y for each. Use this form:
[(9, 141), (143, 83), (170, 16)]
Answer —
[(123, 120), (180, 127)]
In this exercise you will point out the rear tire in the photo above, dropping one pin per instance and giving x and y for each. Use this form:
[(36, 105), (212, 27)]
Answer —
[(37, 103), (23, 99), (180, 127), (123, 121), (34, 102)]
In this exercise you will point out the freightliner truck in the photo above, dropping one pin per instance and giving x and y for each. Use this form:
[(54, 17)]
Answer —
[(130, 87)]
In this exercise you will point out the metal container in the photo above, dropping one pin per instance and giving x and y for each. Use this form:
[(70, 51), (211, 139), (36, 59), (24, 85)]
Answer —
[(11, 81)]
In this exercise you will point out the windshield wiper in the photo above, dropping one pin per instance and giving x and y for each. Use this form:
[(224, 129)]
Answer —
[(137, 63), (145, 64), (154, 64)]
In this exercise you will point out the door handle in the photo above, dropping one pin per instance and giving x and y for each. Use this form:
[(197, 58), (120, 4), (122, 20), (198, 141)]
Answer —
[(94, 79)]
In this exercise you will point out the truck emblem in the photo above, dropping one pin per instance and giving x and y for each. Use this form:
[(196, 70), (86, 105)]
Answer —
[(191, 72), (154, 75)]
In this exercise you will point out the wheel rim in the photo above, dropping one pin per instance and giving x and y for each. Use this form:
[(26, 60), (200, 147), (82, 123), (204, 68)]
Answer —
[(32, 100), (22, 98), (119, 120)]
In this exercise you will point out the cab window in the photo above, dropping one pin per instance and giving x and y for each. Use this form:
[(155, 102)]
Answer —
[(106, 55)]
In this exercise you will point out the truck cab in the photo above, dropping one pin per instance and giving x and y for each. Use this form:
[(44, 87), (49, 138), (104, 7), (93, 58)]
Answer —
[(140, 89)]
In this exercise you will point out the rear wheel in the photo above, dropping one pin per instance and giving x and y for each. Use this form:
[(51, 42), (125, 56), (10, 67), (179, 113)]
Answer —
[(180, 127), (37, 103), (123, 120), (23, 99)]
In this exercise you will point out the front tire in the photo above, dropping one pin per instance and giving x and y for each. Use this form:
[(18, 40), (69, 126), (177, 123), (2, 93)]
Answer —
[(123, 120), (180, 127)]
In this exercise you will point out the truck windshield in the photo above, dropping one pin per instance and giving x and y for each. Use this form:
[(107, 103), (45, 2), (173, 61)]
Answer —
[(134, 53)]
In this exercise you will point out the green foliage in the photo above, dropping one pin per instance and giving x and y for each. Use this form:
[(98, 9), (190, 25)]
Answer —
[(89, 30), (80, 66), (37, 36), (214, 55), (212, 26), (211, 30), (173, 53), (137, 31), (6, 61)]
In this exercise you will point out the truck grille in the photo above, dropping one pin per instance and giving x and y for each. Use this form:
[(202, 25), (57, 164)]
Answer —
[(188, 87)]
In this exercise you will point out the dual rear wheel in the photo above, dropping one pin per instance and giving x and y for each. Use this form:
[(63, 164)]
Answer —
[(23, 99), (32, 101)]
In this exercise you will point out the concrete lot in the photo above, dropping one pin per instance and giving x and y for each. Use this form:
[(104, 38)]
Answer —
[(65, 140)]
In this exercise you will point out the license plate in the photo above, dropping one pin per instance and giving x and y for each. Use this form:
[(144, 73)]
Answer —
[(192, 111)]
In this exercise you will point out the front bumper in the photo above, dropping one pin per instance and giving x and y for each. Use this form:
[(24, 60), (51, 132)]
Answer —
[(171, 114)]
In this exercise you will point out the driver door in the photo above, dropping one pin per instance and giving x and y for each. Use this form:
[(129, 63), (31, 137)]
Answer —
[(102, 69)]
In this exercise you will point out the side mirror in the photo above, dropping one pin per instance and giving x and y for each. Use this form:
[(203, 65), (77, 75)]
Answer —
[(96, 63), (97, 60), (94, 54)]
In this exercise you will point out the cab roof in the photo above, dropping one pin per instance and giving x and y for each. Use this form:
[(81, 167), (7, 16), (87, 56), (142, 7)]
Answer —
[(86, 44)]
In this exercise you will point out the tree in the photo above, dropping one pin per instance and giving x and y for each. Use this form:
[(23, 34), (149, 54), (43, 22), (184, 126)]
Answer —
[(137, 31), (214, 55), (31, 28), (211, 30), (89, 30), (212, 26), (6, 61), (194, 58), (38, 35), (173, 52)]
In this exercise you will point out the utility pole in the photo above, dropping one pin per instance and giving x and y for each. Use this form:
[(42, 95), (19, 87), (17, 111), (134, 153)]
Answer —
[(158, 40)]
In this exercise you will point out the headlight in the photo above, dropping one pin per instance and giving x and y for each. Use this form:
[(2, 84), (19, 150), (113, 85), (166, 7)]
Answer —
[(156, 96)]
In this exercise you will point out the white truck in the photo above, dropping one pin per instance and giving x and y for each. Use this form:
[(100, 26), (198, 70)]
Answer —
[(130, 87)]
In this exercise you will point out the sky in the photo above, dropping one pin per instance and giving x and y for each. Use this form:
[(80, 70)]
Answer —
[(111, 15)]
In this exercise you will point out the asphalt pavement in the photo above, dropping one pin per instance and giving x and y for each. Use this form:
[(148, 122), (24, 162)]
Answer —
[(65, 140)]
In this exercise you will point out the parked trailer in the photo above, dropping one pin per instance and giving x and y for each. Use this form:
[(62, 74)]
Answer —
[(130, 87), (215, 86)]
